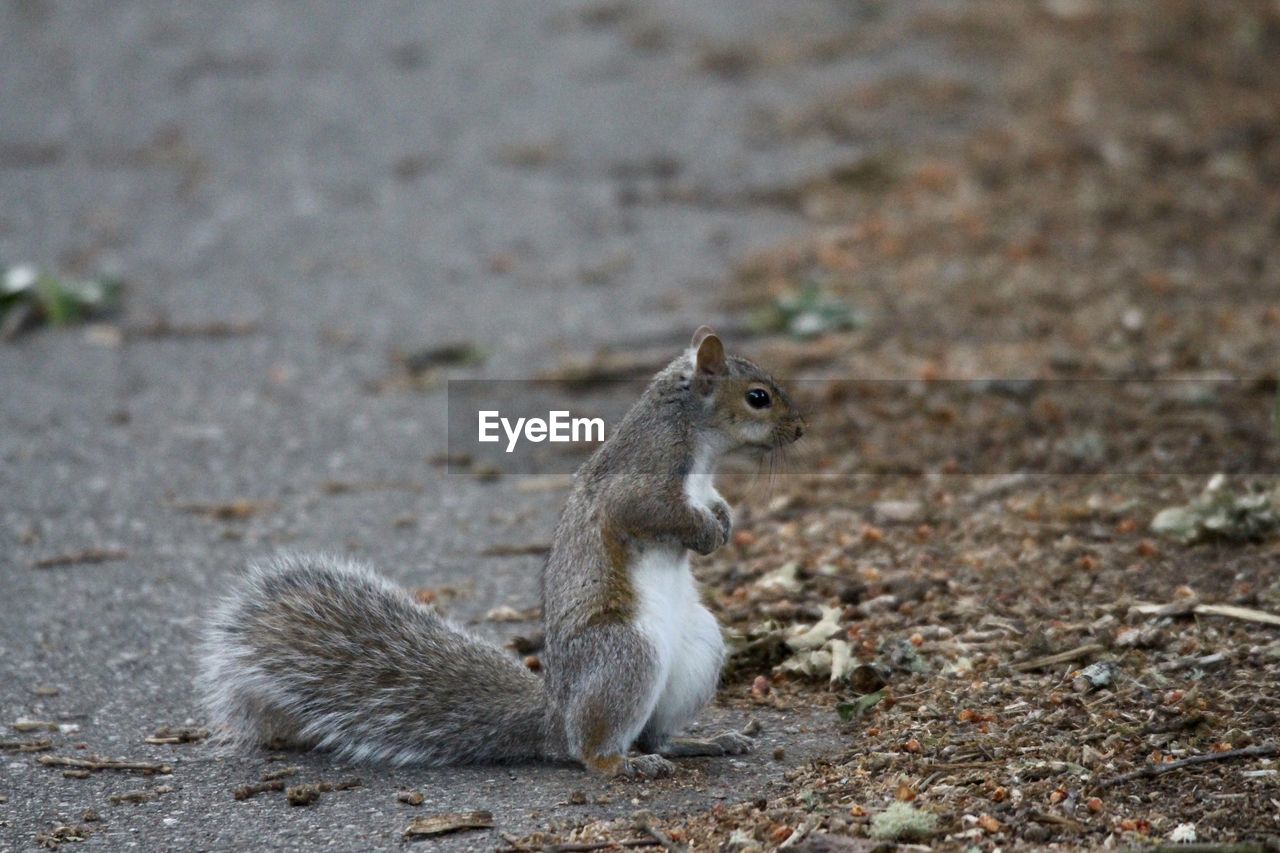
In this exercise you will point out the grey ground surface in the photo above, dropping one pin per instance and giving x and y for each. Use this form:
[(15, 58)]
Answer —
[(354, 179)]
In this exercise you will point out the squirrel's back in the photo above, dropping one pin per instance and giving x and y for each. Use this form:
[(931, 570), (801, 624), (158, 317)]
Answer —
[(316, 651)]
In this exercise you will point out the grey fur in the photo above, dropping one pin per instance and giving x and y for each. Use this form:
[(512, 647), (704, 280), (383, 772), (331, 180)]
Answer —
[(320, 652), (315, 651)]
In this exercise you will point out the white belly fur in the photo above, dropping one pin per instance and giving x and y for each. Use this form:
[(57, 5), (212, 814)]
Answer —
[(684, 635), (699, 488)]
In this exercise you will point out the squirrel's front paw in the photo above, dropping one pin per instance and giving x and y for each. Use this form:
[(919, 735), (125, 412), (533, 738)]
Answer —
[(645, 767), (724, 515), (713, 534)]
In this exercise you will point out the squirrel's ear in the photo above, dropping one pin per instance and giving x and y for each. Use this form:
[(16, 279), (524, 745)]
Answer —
[(709, 359), (700, 333)]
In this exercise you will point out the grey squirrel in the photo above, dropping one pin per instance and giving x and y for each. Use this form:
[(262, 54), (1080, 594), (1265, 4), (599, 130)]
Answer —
[(319, 652)]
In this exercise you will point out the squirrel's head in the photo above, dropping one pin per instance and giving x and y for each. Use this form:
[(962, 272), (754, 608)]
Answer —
[(743, 405)]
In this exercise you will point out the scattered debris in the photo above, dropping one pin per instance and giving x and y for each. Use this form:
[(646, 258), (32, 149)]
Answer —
[(1222, 514), (486, 473), (451, 461), (1267, 750), (897, 512), (302, 795), (240, 509), (531, 155), (646, 823), (162, 327), (178, 734), (867, 678), (63, 832), (526, 645), (533, 549), (805, 314), (507, 613), (30, 297), (1087, 650), (344, 487), (1095, 676), (785, 578), (903, 822), (533, 484), (37, 745), (26, 724), (280, 773), (144, 796), (443, 824), (252, 789), (305, 795), (856, 710), (462, 354), (87, 555), (93, 764), (1231, 611), (607, 269), (438, 594), (606, 367)]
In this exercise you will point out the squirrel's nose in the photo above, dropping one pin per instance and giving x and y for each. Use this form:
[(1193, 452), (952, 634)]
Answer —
[(799, 430)]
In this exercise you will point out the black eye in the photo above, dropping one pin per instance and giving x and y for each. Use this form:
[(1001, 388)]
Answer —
[(758, 398)]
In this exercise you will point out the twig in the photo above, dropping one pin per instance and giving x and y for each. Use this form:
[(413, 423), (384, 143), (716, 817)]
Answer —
[(600, 845), (658, 835), (239, 509), (1058, 820), (37, 745), (1260, 751), (252, 789), (1210, 847), (145, 767), (1188, 662), (1231, 611), (177, 734), (1248, 614), (1084, 651), (533, 549), (88, 555), (513, 843), (163, 327), (961, 765)]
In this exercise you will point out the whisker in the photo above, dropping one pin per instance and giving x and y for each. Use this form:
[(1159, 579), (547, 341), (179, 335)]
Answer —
[(773, 471)]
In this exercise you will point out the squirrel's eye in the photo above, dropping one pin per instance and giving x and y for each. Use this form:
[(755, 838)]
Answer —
[(758, 398)]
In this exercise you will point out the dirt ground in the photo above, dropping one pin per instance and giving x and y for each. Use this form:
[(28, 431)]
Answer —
[(1018, 653)]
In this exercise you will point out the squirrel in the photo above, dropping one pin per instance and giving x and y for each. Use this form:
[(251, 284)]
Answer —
[(320, 652)]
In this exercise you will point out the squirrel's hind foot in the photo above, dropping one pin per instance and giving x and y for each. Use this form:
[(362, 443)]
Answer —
[(644, 767), (734, 743), (726, 743)]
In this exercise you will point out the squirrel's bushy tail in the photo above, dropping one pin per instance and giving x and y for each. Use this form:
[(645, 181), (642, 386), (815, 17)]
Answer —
[(319, 652)]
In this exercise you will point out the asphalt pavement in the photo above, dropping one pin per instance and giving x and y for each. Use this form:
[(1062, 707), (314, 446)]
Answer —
[(335, 183)]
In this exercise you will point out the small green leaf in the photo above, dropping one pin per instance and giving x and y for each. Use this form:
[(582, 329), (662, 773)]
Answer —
[(858, 708), (805, 313)]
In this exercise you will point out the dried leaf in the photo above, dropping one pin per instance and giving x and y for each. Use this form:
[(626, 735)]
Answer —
[(444, 824)]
